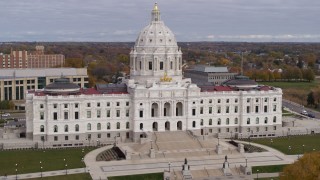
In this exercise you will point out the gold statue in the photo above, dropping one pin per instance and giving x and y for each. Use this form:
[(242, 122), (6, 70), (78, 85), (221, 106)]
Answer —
[(165, 78)]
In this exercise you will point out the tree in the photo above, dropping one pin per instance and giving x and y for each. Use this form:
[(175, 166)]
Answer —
[(306, 168), (308, 75), (310, 98)]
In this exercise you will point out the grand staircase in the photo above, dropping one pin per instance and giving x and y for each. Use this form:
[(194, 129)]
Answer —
[(111, 154)]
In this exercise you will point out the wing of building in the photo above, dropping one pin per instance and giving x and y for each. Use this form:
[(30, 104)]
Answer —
[(155, 98)]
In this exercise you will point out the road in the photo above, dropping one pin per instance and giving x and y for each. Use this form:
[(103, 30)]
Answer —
[(298, 108)]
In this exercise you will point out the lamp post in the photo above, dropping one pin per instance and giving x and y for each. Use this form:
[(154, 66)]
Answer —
[(151, 144), (41, 171), (257, 174), (271, 141), (289, 149), (16, 170), (169, 166), (66, 169), (303, 148)]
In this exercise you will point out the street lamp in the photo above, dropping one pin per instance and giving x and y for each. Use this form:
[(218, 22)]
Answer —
[(169, 166), (41, 171), (257, 173), (16, 170), (289, 149), (66, 169), (303, 148), (151, 144), (271, 141)]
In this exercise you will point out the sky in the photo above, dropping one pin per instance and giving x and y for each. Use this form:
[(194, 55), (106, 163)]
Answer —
[(190, 20)]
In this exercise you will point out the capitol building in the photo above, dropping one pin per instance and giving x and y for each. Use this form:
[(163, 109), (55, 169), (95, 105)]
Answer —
[(156, 98)]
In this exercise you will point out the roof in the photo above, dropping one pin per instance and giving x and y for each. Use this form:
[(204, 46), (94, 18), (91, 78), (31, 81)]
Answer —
[(210, 69), (62, 83), (111, 88), (42, 72)]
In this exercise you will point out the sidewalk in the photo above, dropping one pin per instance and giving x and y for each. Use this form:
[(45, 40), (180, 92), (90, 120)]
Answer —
[(44, 174)]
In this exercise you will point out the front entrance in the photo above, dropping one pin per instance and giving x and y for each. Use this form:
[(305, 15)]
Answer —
[(179, 125), (155, 126), (167, 126)]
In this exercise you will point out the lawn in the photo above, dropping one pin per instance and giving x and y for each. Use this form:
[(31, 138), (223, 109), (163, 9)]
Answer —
[(268, 169), (154, 176), (290, 85), (298, 144), (83, 176), (51, 159), (269, 178)]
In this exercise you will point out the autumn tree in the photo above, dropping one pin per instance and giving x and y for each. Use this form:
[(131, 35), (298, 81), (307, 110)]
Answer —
[(306, 168)]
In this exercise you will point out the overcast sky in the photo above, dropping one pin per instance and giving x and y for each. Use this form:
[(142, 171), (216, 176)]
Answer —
[(190, 20)]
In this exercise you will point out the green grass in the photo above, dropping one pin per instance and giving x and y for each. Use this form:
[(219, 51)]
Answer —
[(269, 178), (310, 142), (83, 176), (295, 85), (268, 169), (154, 176), (29, 160)]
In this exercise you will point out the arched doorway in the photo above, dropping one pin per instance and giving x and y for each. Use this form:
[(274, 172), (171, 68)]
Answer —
[(179, 125), (167, 109), (179, 109), (167, 126), (155, 126), (154, 110)]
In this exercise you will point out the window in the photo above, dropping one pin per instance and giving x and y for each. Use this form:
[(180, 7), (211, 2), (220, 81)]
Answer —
[(127, 112), (248, 109), (210, 101), (219, 121), (55, 128), (41, 115), (274, 108), (274, 99), (118, 125), (201, 101), (41, 106), (219, 100), (76, 128), (257, 129), (77, 137), (227, 121), (266, 128), (66, 138), (65, 105), (55, 106), (161, 65), (98, 104), (55, 138), (88, 104), (210, 121), (236, 121), (150, 65), (257, 120), (55, 115), (236, 100), (201, 122), (108, 103), (141, 126), (227, 100), (108, 113), (274, 119), (171, 65), (98, 113), (248, 99), (66, 128), (266, 120), (227, 130), (118, 113), (118, 103), (42, 128), (227, 109), (141, 113), (274, 127), (99, 136), (127, 125), (265, 99), (193, 112), (193, 124), (76, 105), (236, 109), (257, 109), (201, 110), (108, 135), (108, 126), (88, 126), (210, 110), (257, 100), (248, 121), (127, 103), (76, 115), (88, 114), (265, 109), (65, 115), (99, 126)]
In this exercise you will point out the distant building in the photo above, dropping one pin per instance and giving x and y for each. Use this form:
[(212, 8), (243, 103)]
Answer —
[(35, 59), (15, 82), (203, 74)]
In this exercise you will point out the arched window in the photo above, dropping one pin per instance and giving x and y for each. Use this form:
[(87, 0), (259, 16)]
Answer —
[(108, 126), (219, 121), (257, 120), (201, 122), (66, 128), (274, 119), (118, 125), (210, 121), (266, 120), (42, 128), (194, 124), (248, 121), (98, 126), (236, 121), (227, 121), (141, 126), (76, 127), (127, 125), (88, 126), (55, 128)]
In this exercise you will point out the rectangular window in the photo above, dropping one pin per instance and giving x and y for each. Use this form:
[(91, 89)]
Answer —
[(98, 113), (210, 101), (127, 103), (108, 113), (88, 104), (76, 115), (227, 109), (274, 108), (219, 100), (257, 109), (210, 110), (236, 100), (77, 137), (227, 101), (66, 138), (98, 104), (88, 114), (76, 105), (55, 106), (118, 103), (108, 135), (65, 105), (248, 109), (161, 65), (201, 110), (127, 112), (265, 109), (41, 106), (265, 99), (55, 116), (55, 138), (150, 65), (141, 113), (274, 127), (257, 100), (99, 136), (65, 115), (193, 112), (219, 110), (108, 103), (248, 99), (236, 109)]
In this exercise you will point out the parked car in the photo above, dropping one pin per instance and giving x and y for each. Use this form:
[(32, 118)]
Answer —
[(5, 115), (304, 112), (311, 115)]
